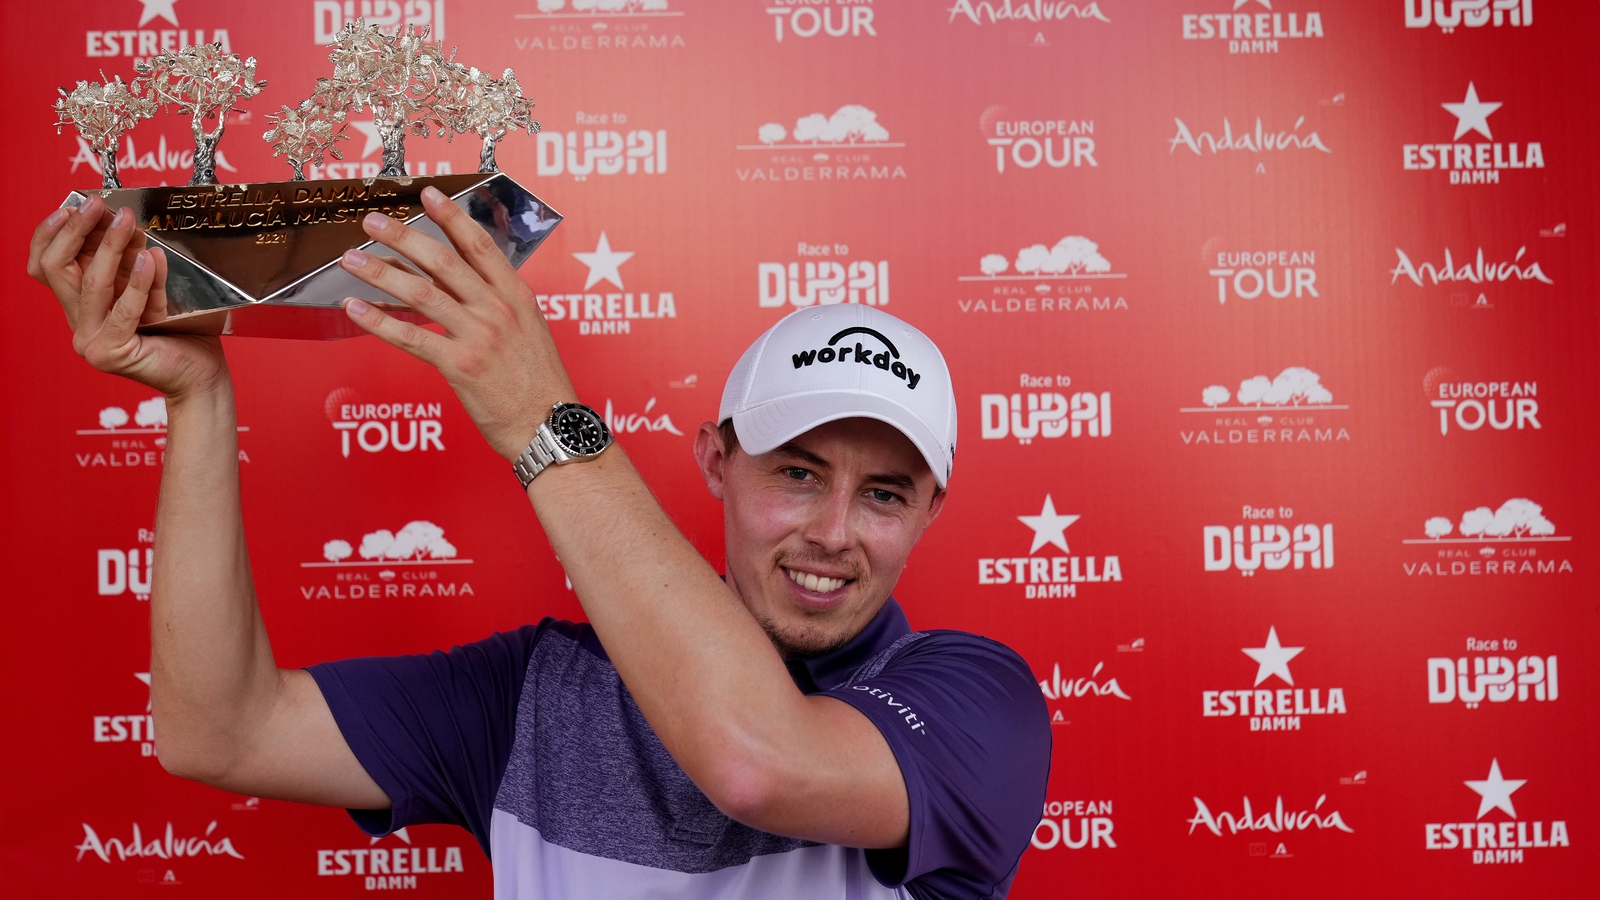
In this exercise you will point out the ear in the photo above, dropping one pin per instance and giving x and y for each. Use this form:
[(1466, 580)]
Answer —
[(711, 457)]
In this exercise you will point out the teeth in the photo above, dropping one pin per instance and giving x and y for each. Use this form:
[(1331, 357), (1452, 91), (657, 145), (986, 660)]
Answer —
[(813, 582)]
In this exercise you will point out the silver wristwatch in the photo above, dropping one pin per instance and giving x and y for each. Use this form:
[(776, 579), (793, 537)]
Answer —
[(573, 433)]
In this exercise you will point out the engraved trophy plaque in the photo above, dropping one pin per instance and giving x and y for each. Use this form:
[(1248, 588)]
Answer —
[(262, 259)]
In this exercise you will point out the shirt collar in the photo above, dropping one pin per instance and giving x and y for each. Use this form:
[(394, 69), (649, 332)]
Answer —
[(833, 669)]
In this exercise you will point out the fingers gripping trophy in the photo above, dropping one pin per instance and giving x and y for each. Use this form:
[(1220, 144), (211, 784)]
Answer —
[(261, 259)]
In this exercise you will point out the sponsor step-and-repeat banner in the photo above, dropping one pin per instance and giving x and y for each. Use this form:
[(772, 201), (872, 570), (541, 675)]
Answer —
[(1273, 330)]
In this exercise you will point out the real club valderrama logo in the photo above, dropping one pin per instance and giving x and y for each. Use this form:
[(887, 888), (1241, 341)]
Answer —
[(415, 562), (559, 27), (1071, 275), (1515, 539), (131, 440), (1292, 407), (1484, 161), (1274, 707), (851, 144), (1059, 572)]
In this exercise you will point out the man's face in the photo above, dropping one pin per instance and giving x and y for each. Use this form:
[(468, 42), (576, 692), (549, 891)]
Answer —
[(819, 529)]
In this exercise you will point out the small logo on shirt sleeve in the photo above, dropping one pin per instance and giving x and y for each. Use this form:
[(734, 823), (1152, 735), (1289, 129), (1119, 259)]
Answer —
[(904, 710)]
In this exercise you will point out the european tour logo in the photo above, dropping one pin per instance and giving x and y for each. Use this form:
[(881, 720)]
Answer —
[(888, 359)]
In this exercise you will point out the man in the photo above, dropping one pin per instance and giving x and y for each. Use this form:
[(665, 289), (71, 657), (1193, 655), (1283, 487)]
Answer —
[(781, 732)]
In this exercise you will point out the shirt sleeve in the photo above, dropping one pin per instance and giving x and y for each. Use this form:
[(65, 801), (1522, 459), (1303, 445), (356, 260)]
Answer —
[(433, 730), (970, 730)]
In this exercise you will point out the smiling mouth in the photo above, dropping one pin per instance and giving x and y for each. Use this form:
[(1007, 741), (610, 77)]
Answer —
[(820, 584)]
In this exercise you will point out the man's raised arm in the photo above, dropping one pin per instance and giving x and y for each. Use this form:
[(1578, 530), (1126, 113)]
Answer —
[(703, 672), (225, 713)]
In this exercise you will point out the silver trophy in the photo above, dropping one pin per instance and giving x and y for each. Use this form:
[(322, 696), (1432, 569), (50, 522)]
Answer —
[(262, 259)]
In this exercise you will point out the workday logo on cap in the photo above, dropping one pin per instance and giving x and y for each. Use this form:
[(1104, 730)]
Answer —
[(822, 364), (858, 354)]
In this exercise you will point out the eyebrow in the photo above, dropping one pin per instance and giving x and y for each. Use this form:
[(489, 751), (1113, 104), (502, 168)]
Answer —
[(892, 479)]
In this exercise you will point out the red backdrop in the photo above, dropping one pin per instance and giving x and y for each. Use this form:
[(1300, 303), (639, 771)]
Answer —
[(1278, 316)]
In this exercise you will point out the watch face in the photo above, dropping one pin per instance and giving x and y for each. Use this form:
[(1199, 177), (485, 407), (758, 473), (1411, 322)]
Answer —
[(579, 430)]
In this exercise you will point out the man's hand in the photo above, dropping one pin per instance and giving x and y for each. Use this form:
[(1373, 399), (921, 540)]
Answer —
[(108, 283), (496, 351)]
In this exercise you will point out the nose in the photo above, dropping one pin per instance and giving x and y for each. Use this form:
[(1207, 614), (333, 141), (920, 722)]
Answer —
[(829, 524)]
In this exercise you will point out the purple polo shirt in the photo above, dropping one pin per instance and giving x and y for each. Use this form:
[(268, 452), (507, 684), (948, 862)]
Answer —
[(530, 740)]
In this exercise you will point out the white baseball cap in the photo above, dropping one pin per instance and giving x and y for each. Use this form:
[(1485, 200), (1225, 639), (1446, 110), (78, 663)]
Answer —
[(824, 363)]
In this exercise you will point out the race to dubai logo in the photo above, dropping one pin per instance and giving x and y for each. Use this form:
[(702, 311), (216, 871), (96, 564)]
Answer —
[(1504, 541), (130, 440), (1452, 14), (1475, 163), (390, 17), (138, 729), (1247, 274), (824, 275), (1294, 407), (1491, 677), (1093, 825), (1054, 575), (1057, 278), (1504, 838), (1471, 274), (416, 561), (1045, 414), (167, 845), (1058, 143), (392, 867), (1279, 709), (601, 147), (851, 144), (139, 43), (397, 425), (613, 312), (826, 18), (1469, 405), (1273, 547), (1252, 31), (579, 25), (121, 571)]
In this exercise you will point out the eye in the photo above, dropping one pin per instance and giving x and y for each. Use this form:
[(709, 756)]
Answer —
[(797, 473), (883, 496)]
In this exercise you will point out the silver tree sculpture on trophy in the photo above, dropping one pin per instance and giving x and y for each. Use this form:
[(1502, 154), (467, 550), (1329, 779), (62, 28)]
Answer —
[(101, 113), (205, 82), (498, 109), (398, 78), (306, 134)]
